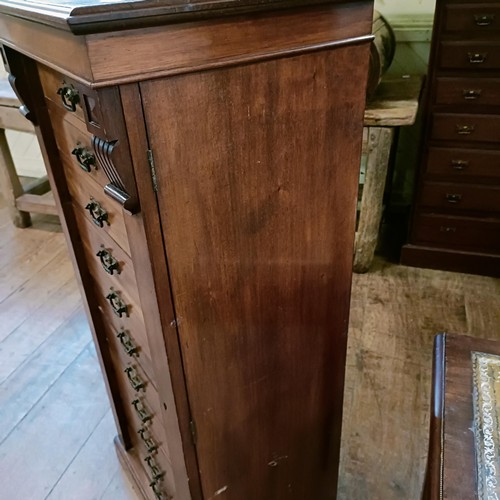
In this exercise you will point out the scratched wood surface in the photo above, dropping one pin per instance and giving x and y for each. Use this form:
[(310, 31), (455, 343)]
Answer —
[(45, 356)]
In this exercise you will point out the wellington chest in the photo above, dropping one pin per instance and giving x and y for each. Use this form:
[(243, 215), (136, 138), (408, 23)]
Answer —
[(204, 158), (456, 221)]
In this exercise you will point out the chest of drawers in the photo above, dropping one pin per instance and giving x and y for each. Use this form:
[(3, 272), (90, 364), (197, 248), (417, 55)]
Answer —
[(456, 218), (204, 158)]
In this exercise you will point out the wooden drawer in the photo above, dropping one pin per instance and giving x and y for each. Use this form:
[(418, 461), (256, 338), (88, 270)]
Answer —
[(85, 191), (463, 163), (478, 18), (460, 197), (458, 232), (466, 127), (468, 91), (70, 134), (469, 55), (52, 83)]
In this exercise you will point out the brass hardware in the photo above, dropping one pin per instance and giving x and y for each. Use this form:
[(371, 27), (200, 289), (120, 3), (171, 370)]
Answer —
[(148, 441), (156, 472), (85, 158), (448, 229), (98, 214), (108, 262), (69, 96), (453, 198), (471, 94), (119, 307), (477, 57), (126, 342), (484, 19), (134, 379), (459, 164), (141, 411), (155, 486), (465, 129)]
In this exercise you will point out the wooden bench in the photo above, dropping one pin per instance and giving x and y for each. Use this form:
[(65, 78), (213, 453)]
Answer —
[(395, 104), (35, 196)]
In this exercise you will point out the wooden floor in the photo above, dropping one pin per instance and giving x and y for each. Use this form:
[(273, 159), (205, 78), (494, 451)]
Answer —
[(56, 427)]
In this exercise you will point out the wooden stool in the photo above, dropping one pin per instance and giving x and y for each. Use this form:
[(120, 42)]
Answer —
[(395, 104), (35, 197)]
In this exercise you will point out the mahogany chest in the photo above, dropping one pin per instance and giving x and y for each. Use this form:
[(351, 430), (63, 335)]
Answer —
[(204, 158), (456, 220)]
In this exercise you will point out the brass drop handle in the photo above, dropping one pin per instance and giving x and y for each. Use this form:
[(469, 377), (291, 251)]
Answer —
[(98, 214), (69, 97), (135, 381), (116, 302), (471, 94), (85, 158), (148, 441), (484, 19), (126, 342), (465, 129), (155, 470), (459, 164), (448, 229), (141, 411), (453, 198), (477, 57), (155, 486), (108, 262)]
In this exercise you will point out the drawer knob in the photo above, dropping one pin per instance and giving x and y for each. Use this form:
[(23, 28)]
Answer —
[(126, 342), (135, 381), (459, 164), (465, 129), (69, 97), (155, 486), (141, 411), (85, 158), (484, 19), (472, 94), (156, 472), (453, 198), (448, 229), (98, 214), (148, 441), (119, 307), (108, 262), (477, 57)]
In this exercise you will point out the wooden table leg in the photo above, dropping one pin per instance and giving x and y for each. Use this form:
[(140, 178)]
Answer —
[(379, 151), (10, 185)]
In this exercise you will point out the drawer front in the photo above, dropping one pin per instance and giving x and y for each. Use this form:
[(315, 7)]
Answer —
[(479, 18), (468, 91), (469, 55), (460, 197), (102, 211), (61, 91), (458, 232), (464, 163), (466, 127), (75, 142)]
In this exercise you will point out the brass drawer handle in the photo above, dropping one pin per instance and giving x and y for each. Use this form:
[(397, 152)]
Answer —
[(484, 19), (155, 486), (85, 158), (98, 214), (108, 262), (453, 198), (477, 57), (465, 129), (472, 94), (135, 381), (459, 164), (116, 302), (155, 470), (448, 229), (69, 96), (141, 411), (148, 441), (126, 342)]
